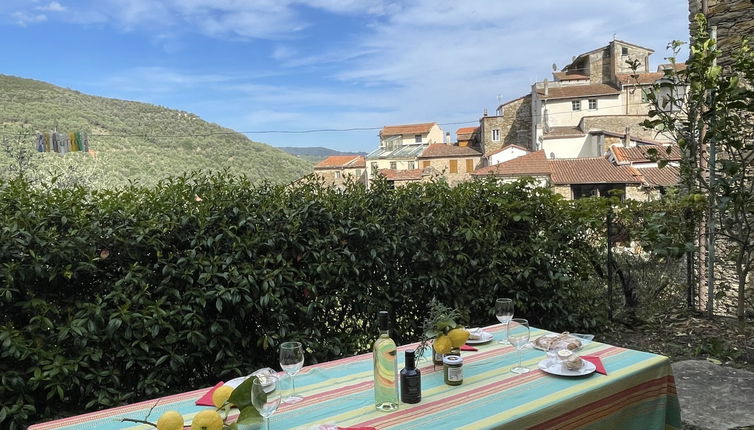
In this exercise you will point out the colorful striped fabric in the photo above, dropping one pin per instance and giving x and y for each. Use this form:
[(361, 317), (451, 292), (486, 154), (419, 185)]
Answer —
[(638, 393)]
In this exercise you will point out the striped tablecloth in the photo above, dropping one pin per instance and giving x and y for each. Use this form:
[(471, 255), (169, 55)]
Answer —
[(637, 393)]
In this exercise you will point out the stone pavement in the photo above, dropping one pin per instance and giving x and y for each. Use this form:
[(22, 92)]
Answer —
[(714, 397)]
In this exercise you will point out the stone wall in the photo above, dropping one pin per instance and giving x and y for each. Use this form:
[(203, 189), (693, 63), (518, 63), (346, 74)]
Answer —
[(442, 166), (563, 190), (734, 19), (618, 124), (338, 177), (514, 125)]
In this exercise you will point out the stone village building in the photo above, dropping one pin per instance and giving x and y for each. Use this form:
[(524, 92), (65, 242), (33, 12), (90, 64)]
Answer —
[(336, 170), (569, 126), (419, 152)]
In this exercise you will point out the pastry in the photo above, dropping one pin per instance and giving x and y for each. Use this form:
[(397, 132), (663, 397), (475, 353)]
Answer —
[(570, 360), (565, 339)]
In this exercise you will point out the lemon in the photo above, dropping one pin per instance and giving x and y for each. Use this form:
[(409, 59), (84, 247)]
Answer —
[(207, 420), (170, 420), (458, 337), (221, 395), (443, 344)]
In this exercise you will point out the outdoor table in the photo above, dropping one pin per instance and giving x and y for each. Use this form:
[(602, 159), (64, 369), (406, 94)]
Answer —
[(638, 392)]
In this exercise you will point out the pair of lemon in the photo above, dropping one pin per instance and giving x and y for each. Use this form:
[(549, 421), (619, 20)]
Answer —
[(454, 339), (204, 420)]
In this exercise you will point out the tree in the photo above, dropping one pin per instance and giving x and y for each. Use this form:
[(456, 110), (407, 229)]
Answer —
[(709, 111)]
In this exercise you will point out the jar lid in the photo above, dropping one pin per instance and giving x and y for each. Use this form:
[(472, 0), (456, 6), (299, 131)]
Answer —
[(452, 359)]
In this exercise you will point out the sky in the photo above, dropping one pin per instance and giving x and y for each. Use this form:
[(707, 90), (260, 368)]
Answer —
[(290, 65)]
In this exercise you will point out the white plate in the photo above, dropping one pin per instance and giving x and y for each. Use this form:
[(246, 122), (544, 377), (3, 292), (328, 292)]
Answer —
[(556, 368), (486, 337)]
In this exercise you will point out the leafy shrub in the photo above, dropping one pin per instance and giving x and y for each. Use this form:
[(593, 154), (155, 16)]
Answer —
[(111, 296)]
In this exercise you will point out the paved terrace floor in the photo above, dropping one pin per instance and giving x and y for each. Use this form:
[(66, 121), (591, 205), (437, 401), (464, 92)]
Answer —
[(714, 397)]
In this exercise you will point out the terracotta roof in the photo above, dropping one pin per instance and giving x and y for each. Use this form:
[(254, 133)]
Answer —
[(666, 66), (638, 154), (506, 147), (402, 175), (531, 164), (339, 161), (574, 91), (565, 76), (592, 171), (436, 150), (642, 78), (394, 130), (557, 132), (663, 177), (467, 130)]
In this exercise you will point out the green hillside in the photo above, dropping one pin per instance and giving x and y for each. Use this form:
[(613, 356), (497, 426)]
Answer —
[(130, 141)]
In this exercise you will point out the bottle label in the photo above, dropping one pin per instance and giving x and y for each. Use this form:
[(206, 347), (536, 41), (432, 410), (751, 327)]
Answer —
[(412, 386), (455, 374)]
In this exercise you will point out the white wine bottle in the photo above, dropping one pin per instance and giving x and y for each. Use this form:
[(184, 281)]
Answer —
[(385, 368)]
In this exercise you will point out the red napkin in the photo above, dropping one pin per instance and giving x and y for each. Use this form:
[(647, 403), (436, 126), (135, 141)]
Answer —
[(597, 363), (206, 399), (468, 348)]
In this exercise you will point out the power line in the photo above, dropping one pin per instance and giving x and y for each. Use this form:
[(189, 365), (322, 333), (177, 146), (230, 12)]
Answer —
[(221, 133)]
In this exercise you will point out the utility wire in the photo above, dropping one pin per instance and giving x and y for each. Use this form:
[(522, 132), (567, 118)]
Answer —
[(220, 133)]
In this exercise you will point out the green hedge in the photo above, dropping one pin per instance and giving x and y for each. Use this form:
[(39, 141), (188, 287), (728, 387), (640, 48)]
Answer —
[(111, 296)]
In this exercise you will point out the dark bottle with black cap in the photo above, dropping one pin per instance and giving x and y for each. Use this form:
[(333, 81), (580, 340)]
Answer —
[(411, 380)]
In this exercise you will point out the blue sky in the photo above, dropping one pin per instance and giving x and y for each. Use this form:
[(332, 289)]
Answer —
[(254, 65)]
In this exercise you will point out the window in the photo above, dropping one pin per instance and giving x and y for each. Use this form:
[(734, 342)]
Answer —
[(592, 104), (469, 166), (393, 165), (453, 166), (425, 164), (624, 51), (576, 105), (375, 169), (495, 134), (411, 165), (337, 175), (418, 138)]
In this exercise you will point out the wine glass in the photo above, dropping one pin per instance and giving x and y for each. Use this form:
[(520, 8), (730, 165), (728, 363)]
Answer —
[(504, 311), (265, 396), (291, 360), (518, 336)]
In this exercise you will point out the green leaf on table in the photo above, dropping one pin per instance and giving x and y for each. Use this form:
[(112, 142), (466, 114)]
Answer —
[(249, 415), (241, 395)]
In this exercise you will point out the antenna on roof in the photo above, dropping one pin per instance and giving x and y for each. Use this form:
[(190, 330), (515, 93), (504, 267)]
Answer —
[(499, 98), (613, 36), (554, 67)]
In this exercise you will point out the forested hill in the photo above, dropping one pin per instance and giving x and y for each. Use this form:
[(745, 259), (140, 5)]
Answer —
[(129, 141)]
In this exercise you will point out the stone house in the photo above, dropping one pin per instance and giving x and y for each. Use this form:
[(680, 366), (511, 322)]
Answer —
[(467, 136), (598, 90), (511, 125), (336, 170), (392, 136), (455, 163), (401, 178), (590, 176), (400, 157)]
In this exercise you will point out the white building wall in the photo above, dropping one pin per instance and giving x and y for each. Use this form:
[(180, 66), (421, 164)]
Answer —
[(560, 112), (506, 155), (568, 147)]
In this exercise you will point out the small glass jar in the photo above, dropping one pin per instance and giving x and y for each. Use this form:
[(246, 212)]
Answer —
[(452, 366), (436, 357)]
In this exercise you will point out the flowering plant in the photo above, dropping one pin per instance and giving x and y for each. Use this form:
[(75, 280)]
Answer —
[(441, 329)]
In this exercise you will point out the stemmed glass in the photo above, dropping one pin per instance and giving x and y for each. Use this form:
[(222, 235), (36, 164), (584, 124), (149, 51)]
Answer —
[(265, 396), (291, 360), (518, 336), (504, 311)]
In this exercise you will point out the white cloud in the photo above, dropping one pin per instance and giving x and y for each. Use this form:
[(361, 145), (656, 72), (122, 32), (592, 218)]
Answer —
[(141, 80), (53, 6), (23, 19)]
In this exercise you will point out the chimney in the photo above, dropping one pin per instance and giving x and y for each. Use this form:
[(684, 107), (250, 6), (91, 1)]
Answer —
[(547, 89), (447, 137), (627, 141), (485, 111)]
